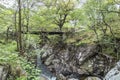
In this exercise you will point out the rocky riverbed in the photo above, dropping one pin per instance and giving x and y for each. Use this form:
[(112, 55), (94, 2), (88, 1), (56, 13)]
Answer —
[(69, 62)]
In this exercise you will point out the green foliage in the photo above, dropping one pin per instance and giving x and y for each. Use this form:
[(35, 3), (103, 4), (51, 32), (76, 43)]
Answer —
[(51, 14), (95, 21), (32, 72), (102, 16), (22, 78), (5, 18), (8, 56), (8, 48), (110, 46)]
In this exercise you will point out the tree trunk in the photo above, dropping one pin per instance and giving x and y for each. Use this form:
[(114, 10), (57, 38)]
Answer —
[(27, 16), (16, 30), (19, 30), (7, 37)]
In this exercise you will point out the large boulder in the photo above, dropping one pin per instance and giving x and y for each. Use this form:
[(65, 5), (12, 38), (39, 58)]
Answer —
[(3, 73), (69, 59), (114, 73)]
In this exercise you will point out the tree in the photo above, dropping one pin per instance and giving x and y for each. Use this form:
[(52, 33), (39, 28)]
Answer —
[(20, 30), (104, 21), (101, 14)]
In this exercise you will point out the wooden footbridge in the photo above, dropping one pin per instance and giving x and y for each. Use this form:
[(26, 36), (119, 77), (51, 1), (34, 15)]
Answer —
[(46, 32)]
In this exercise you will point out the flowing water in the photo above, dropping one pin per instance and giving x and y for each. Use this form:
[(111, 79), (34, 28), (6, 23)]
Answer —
[(45, 72)]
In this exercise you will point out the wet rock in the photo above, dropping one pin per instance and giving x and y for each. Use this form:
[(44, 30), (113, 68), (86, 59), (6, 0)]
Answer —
[(45, 54), (55, 61), (44, 77), (49, 60), (73, 79), (92, 78), (61, 77), (46, 51)]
